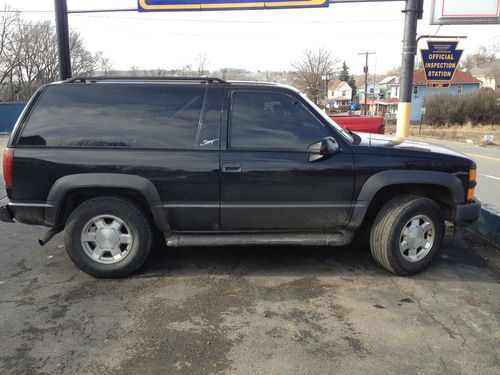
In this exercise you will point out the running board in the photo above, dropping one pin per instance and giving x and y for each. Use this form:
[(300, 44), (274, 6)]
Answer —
[(334, 238)]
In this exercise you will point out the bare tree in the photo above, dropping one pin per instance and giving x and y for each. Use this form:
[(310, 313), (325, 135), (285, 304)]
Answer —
[(83, 61), (201, 63), (158, 72), (311, 70), (394, 71), (29, 57), (9, 56), (482, 55), (104, 64), (187, 71), (134, 70)]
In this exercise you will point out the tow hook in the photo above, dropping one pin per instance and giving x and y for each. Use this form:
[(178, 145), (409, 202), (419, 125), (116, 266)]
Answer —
[(44, 240)]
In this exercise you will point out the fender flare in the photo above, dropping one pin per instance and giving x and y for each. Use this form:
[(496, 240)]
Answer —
[(398, 177), (104, 180)]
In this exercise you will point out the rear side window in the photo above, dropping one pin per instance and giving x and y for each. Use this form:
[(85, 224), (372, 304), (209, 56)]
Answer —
[(115, 115)]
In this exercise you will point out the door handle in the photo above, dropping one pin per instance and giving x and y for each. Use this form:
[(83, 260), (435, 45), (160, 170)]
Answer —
[(231, 168)]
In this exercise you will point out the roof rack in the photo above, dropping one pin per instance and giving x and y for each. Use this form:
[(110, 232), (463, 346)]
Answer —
[(85, 79)]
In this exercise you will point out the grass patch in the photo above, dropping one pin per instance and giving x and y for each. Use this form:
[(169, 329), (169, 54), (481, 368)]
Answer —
[(457, 133)]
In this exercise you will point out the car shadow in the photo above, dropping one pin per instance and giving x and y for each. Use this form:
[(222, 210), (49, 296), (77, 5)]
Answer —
[(457, 259)]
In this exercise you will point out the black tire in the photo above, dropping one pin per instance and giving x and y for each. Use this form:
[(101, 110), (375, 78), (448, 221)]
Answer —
[(128, 212), (386, 233)]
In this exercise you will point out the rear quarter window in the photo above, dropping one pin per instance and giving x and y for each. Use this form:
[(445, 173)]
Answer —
[(115, 115)]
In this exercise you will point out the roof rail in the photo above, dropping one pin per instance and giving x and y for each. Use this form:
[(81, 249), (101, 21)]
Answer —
[(84, 79)]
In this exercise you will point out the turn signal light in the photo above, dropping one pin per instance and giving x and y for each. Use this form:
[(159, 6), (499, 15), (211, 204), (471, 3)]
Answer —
[(472, 175), (8, 172), (472, 184), (470, 194)]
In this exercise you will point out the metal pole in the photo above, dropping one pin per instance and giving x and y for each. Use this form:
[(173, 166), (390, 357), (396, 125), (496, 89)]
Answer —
[(366, 84), (413, 12), (62, 28)]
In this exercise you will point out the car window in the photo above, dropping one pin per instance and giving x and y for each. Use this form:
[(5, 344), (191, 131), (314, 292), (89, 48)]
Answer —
[(261, 120), (115, 115)]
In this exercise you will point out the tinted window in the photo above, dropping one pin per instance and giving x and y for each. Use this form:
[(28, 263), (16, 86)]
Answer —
[(262, 120), (115, 115)]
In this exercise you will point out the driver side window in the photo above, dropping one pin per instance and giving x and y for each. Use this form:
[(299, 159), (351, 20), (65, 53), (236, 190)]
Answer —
[(261, 120)]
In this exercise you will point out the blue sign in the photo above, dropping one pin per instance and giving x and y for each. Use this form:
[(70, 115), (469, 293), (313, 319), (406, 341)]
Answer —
[(198, 5), (440, 60)]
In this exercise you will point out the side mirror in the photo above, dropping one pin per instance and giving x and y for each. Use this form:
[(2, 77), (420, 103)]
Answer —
[(323, 149)]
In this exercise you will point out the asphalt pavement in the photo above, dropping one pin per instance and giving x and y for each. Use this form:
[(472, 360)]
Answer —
[(252, 310)]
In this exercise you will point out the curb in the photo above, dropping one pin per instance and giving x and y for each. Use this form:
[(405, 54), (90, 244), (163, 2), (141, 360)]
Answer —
[(488, 225)]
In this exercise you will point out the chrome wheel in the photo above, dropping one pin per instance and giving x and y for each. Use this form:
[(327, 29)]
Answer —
[(106, 239), (417, 238)]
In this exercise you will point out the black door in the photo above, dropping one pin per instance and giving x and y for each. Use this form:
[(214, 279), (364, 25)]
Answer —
[(269, 181)]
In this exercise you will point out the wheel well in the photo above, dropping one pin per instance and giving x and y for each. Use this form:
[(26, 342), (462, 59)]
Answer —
[(442, 195), (73, 198)]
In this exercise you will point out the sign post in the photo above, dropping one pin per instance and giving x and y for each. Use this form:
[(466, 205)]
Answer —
[(440, 61), (61, 10), (413, 12)]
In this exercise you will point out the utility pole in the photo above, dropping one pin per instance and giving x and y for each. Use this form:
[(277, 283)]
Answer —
[(326, 78), (413, 12), (62, 28), (365, 69)]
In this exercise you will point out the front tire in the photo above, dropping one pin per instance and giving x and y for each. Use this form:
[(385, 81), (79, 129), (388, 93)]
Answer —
[(407, 234), (108, 237)]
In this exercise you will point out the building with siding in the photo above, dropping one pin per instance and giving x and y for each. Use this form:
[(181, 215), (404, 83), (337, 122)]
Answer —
[(339, 94), (462, 83), (9, 112)]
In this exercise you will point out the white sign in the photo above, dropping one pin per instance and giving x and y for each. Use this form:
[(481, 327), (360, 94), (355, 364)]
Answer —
[(459, 12)]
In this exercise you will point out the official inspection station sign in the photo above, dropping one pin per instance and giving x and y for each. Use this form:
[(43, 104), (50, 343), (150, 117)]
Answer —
[(440, 61), (182, 5)]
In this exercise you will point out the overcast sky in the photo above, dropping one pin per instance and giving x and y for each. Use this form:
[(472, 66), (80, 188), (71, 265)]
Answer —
[(253, 40)]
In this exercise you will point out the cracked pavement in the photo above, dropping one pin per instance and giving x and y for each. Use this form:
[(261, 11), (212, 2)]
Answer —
[(254, 310)]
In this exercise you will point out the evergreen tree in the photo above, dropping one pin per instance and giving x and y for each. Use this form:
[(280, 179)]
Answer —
[(352, 83), (344, 73)]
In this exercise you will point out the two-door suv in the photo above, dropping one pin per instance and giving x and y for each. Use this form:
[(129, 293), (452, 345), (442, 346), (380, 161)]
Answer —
[(112, 160)]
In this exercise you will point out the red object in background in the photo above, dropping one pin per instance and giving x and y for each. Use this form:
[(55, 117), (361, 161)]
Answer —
[(374, 125)]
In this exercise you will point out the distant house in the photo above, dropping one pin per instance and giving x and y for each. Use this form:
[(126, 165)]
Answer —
[(339, 94), (384, 86), (381, 107), (489, 74), (373, 91), (462, 83)]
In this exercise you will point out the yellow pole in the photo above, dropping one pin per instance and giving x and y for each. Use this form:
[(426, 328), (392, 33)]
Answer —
[(403, 126)]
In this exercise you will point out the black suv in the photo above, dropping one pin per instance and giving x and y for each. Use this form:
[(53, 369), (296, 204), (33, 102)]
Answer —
[(112, 160)]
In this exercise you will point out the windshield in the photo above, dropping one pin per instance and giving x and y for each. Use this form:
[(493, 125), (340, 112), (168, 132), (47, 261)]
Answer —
[(322, 113)]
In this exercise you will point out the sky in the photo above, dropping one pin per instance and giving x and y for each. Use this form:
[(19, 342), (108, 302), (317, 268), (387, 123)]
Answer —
[(266, 40)]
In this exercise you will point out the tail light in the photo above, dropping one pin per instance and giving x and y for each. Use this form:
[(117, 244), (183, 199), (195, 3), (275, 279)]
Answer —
[(8, 166), (472, 184)]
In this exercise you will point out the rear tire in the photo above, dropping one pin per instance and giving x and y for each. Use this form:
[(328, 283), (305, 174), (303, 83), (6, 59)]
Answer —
[(108, 237), (407, 234)]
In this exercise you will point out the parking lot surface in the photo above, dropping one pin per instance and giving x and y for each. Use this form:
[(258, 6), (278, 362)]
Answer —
[(254, 310), (248, 311)]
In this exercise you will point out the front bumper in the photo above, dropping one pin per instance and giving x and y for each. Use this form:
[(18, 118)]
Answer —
[(5, 215), (467, 213)]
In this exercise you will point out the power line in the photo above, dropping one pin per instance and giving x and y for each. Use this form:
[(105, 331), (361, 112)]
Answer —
[(158, 19)]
